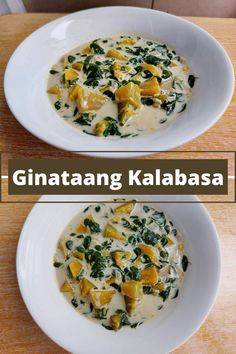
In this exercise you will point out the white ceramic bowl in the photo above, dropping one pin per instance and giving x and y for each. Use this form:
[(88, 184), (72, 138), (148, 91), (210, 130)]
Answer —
[(77, 334), (27, 73)]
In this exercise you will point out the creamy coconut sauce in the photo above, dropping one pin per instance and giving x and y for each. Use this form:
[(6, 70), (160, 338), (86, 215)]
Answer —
[(121, 87), (120, 265)]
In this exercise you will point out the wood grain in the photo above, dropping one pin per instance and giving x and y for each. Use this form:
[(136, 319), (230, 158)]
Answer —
[(14, 28), (20, 334)]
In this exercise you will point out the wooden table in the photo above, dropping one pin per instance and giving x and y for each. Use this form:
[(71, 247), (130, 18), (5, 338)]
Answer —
[(18, 332)]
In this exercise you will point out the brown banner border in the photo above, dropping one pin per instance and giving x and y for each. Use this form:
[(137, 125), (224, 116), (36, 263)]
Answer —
[(114, 152)]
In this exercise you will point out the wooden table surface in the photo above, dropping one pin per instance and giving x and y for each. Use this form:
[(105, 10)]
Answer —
[(18, 332)]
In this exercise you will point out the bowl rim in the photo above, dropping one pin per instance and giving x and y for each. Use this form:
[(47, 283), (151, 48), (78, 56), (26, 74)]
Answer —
[(26, 296), (118, 153)]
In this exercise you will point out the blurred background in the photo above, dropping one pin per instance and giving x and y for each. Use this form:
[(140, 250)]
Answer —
[(209, 8)]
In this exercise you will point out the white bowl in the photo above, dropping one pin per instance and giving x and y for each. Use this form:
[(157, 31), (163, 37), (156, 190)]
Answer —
[(77, 334), (27, 73)]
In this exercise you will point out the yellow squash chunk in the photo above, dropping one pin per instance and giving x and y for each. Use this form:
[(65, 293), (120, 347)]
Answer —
[(54, 90), (129, 93), (170, 242), (120, 257), (85, 103), (100, 298), (70, 74), (74, 92), (149, 251), (115, 219), (137, 77), (172, 64), (115, 321), (106, 88), (115, 54), (133, 289), (125, 111), (100, 127), (75, 268), (111, 232), (116, 69), (181, 247), (86, 50), (95, 101), (162, 98), (152, 68), (81, 229), (128, 68), (125, 208), (111, 280), (66, 288), (137, 262), (131, 305), (150, 87), (63, 248), (160, 286), (85, 287), (149, 275), (128, 41), (77, 254), (77, 66)]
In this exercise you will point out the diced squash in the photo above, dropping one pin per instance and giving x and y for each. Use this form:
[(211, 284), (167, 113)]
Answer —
[(125, 208), (137, 77), (106, 88), (75, 268), (100, 127), (81, 229), (100, 298), (133, 289), (70, 74), (150, 87), (115, 54), (125, 111), (85, 287), (131, 305), (75, 92), (170, 242), (181, 247), (116, 69), (63, 248), (129, 93), (152, 68), (115, 219), (85, 103), (105, 253), (162, 98), (149, 275), (137, 262), (115, 321), (149, 251), (128, 68), (111, 232), (128, 41), (86, 50), (77, 254), (66, 288), (77, 66), (120, 257), (111, 280), (160, 286), (172, 64), (186, 69), (55, 90), (95, 101)]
